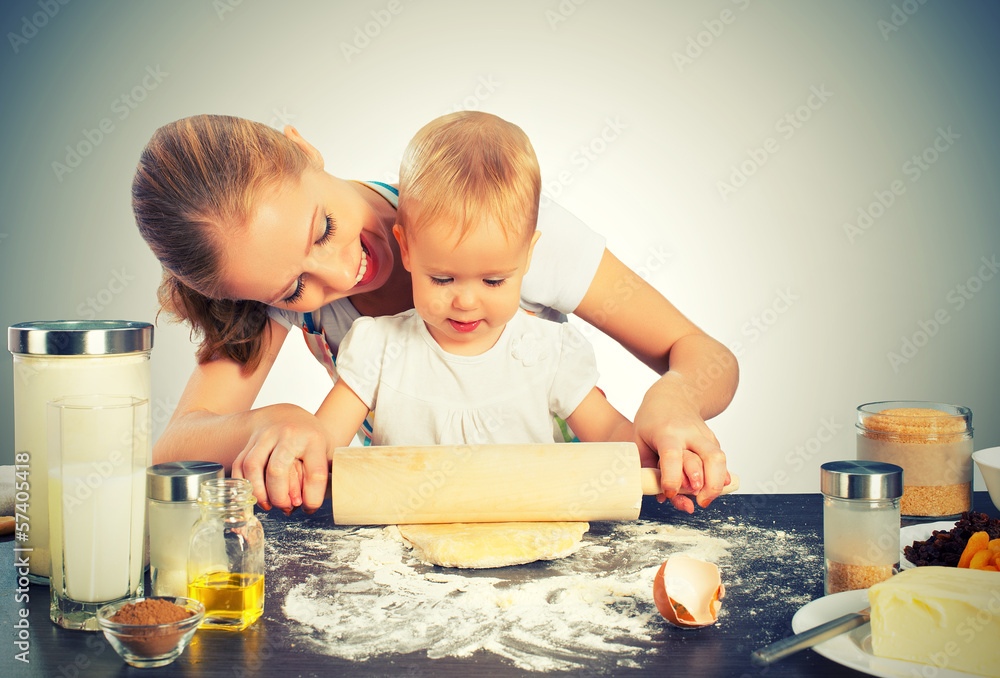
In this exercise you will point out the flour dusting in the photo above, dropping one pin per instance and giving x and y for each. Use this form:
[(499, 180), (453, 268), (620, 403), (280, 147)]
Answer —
[(359, 593)]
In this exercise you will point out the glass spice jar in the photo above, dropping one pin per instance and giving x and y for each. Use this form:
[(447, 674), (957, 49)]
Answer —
[(860, 523), (226, 555), (932, 442), (172, 492)]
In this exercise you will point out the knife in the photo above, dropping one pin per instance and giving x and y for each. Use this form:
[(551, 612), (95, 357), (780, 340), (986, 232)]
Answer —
[(800, 641)]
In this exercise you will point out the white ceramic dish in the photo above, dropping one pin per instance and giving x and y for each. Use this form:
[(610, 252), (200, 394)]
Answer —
[(854, 648), (988, 461)]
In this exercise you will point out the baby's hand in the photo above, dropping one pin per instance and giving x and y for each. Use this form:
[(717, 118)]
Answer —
[(285, 460)]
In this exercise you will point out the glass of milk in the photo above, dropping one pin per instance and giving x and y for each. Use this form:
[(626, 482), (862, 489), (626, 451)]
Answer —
[(97, 451)]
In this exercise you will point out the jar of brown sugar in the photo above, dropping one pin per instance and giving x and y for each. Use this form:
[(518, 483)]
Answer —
[(932, 442), (860, 523)]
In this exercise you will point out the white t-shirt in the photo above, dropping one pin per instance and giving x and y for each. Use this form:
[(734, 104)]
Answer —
[(423, 395), (563, 265)]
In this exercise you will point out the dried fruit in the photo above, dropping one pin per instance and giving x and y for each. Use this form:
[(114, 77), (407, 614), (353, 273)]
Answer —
[(945, 546), (977, 542)]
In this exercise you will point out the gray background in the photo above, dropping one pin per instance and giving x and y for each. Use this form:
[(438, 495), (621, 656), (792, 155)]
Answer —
[(670, 98)]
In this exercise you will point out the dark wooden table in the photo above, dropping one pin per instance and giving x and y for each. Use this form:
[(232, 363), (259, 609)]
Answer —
[(273, 646)]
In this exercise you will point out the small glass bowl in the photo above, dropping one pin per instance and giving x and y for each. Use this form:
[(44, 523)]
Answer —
[(150, 645)]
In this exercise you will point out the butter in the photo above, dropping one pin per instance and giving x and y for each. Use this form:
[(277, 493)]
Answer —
[(943, 616)]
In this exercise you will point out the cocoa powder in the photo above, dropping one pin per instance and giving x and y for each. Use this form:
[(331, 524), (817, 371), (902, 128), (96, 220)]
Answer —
[(149, 612)]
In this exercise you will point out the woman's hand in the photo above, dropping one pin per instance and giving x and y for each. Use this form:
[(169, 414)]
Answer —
[(699, 379), (285, 459), (671, 434)]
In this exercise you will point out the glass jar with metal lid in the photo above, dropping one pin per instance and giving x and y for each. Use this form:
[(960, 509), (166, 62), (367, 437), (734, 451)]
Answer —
[(860, 523), (172, 491), (54, 359)]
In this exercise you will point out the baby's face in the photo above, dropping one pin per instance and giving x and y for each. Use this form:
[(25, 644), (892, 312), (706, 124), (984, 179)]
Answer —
[(466, 291)]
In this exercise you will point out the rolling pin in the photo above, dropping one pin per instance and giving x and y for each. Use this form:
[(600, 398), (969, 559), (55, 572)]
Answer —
[(388, 485)]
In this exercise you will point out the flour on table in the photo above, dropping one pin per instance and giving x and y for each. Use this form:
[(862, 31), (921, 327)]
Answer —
[(366, 595)]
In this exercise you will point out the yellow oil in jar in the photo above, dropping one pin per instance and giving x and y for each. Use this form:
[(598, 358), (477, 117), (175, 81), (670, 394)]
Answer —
[(232, 601)]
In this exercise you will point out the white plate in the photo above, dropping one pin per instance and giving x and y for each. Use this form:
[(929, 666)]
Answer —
[(854, 648), (919, 532)]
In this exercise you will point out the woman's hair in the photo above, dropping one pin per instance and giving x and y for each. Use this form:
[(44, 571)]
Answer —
[(196, 183), (469, 166)]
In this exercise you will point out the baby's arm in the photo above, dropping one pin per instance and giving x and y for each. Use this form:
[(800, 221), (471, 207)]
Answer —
[(342, 412), (596, 420)]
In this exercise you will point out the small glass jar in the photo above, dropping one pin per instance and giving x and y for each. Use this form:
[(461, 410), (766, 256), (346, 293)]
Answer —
[(172, 493), (860, 523), (226, 555), (932, 442)]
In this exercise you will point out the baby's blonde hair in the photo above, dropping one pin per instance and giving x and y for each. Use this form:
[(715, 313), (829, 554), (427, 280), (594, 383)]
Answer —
[(468, 167)]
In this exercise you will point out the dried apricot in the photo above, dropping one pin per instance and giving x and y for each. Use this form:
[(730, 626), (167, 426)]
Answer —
[(977, 542), (980, 559)]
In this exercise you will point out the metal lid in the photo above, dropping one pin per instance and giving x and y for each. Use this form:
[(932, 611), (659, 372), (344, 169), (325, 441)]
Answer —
[(79, 337), (180, 480), (861, 480)]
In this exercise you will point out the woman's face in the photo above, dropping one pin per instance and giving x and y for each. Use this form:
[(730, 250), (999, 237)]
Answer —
[(309, 242)]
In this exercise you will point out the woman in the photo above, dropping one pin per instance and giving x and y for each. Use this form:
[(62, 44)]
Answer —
[(256, 238)]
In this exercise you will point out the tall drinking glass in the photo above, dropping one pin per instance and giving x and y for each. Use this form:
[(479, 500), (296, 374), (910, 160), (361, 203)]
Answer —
[(98, 450)]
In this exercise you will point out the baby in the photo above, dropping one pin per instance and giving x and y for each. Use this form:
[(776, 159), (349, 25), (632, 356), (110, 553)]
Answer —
[(466, 364)]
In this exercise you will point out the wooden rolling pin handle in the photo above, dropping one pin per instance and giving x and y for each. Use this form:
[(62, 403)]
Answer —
[(650, 478)]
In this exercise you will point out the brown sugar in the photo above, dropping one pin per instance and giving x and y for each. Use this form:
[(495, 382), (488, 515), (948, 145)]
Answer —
[(936, 500), (149, 612), (846, 577), (934, 449), (914, 425)]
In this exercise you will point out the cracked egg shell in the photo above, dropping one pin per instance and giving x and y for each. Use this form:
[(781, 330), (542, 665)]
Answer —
[(688, 592)]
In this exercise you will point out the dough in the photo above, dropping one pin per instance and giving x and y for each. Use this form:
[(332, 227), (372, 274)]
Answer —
[(479, 545)]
